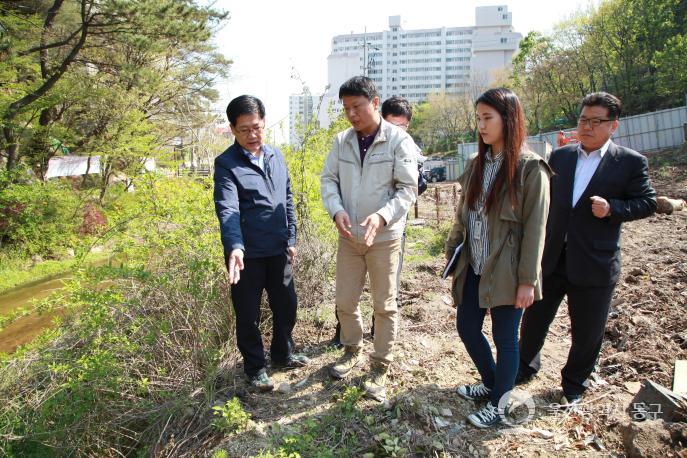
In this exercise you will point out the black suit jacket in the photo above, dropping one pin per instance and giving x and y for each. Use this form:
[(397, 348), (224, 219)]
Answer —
[(593, 244)]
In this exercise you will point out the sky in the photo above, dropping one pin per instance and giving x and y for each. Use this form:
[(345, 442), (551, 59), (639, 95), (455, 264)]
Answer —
[(279, 45)]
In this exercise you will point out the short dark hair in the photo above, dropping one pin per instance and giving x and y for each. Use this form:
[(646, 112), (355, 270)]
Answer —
[(359, 85), (243, 105), (397, 106), (603, 99)]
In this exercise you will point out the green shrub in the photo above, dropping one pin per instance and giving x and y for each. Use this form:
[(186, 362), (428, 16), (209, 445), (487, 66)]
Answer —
[(230, 417), (39, 218), (117, 376)]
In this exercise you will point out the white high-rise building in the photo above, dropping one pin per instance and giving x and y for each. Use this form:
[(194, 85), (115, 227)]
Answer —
[(301, 110), (416, 63)]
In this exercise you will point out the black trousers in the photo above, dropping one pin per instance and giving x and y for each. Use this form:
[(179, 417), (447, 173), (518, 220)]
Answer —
[(274, 274), (588, 309)]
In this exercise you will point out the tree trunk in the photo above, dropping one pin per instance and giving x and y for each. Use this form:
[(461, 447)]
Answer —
[(17, 106), (12, 148), (105, 174)]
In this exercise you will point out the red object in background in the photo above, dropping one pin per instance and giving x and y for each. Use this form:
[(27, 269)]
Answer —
[(94, 220), (563, 138)]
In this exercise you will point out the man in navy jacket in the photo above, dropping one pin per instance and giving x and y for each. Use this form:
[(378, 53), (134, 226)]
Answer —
[(597, 185), (257, 221)]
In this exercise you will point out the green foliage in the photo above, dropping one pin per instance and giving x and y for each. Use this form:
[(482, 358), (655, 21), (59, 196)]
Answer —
[(15, 269), (632, 48), (230, 417), (138, 84), (351, 396), (445, 120), (102, 383), (317, 436), (281, 453), (316, 232), (38, 219), (438, 240), (305, 166), (388, 445), (429, 241), (673, 79)]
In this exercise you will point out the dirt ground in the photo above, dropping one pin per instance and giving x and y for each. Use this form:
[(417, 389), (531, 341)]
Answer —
[(646, 333)]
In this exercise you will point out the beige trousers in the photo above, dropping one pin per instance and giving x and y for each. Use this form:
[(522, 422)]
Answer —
[(380, 261)]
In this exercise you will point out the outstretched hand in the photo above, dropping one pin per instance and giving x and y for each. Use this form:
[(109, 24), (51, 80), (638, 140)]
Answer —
[(372, 223)]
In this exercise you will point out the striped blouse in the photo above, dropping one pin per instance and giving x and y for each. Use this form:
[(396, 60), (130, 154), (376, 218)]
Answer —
[(478, 232)]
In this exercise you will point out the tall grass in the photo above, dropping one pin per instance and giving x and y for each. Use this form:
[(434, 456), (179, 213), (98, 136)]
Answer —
[(135, 364)]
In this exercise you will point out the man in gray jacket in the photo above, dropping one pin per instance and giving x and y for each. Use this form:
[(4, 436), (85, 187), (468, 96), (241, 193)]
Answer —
[(369, 183)]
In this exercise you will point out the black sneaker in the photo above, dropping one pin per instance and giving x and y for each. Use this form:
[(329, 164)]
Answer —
[(476, 392), (486, 417), (292, 362), (261, 382)]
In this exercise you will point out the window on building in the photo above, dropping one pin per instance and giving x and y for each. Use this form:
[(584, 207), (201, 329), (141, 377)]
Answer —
[(505, 16)]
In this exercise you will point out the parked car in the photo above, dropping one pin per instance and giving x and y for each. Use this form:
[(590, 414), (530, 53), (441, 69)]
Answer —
[(436, 174)]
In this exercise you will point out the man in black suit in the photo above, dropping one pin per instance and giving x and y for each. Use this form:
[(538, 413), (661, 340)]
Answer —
[(597, 185)]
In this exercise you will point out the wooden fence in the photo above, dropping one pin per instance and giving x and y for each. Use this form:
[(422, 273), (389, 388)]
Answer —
[(437, 204)]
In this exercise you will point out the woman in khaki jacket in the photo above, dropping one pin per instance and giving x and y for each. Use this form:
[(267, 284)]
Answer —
[(500, 222)]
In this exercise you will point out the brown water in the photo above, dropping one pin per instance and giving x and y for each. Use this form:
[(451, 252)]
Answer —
[(27, 328)]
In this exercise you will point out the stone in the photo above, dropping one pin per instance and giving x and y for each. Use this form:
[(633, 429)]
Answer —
[(284, 388), (632, 387), (440, 422), (645, 439), (680, 377), (260, 429), (543, 433), (446, 412), (654, 401), (301, 383)]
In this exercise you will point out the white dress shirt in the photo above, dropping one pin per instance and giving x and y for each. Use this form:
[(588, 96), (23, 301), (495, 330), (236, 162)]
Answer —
[(258, 160), (587, 164)]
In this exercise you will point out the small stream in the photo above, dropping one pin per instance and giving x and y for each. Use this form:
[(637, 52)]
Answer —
[(27, 328)]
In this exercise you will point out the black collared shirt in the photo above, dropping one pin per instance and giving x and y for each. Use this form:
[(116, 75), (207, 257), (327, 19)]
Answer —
[(364, 142)]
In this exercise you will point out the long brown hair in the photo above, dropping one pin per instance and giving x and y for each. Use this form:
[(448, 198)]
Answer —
[(506, 103)]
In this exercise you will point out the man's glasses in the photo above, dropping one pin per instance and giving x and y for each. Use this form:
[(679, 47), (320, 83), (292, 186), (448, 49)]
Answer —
[(247, 130), (592, 122), (402, 126)]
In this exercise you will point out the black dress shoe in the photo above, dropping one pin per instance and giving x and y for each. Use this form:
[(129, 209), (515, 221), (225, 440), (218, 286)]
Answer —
[(522, 378), (335, 342), (292, 362)]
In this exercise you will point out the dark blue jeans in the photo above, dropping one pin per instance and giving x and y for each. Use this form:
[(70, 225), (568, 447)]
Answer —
[(498, 376)]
